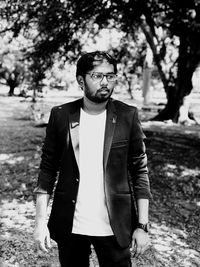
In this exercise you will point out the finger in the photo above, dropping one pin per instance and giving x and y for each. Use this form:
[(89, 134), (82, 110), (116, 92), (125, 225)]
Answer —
[(137, 251), (133, 247), (48, 241), (42, 247)]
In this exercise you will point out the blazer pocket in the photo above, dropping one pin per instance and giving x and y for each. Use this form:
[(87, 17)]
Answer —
[(121, 143)]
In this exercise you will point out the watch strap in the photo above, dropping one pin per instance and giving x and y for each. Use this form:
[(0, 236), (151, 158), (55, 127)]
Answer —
[(144, 227)]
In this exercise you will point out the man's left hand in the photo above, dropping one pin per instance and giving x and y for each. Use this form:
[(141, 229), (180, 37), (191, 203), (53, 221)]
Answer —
[(140, 242)]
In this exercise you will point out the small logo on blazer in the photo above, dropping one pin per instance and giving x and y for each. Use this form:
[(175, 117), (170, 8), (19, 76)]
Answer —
[(113, 120)]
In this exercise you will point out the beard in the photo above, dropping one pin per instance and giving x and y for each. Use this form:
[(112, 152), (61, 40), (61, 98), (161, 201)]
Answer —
[(101, 95)]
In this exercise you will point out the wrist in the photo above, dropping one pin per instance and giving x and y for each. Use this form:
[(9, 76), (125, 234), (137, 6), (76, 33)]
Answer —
[(143, 226)]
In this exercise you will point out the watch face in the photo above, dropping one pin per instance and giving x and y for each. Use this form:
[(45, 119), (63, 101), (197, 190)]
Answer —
[(147, 227)]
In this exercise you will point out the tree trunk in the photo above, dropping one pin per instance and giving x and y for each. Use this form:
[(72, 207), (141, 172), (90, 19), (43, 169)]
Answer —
[(178, 87), (130, 88), (183, 86), (11, 82), (146, 86), (34, 95), (171, 109), (11, 90), (147, 70), (151, 41), (129, 84)]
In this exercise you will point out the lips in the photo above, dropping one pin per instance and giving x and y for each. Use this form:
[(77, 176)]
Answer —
[(104, 89), (104, 92)]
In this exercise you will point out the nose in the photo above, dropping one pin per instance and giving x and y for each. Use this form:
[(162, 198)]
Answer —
[(104, 80)]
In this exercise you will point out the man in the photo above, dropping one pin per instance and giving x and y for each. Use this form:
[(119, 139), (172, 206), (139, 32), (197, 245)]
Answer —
[(96, 145)]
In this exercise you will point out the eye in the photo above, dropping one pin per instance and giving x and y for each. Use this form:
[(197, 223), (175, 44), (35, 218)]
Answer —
[(97, 76), (111, 77)]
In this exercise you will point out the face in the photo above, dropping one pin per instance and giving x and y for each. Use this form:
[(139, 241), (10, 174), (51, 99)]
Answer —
[(98, 91)]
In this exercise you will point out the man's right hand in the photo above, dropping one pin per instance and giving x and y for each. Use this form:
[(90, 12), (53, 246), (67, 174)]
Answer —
[(42, 237)]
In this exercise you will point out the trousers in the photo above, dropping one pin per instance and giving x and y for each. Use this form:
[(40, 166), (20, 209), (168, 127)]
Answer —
[(76, 253)]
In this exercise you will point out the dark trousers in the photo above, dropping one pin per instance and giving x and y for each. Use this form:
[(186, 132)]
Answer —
[(76, 253)]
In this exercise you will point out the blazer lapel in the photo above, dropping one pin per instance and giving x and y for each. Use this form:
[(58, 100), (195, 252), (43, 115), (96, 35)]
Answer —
[(74, 122), (109, 130)]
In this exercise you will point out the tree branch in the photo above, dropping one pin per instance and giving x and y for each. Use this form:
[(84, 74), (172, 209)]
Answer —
[(150, 39)]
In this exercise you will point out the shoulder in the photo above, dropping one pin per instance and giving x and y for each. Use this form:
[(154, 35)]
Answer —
[(123, 107), (66, 107)]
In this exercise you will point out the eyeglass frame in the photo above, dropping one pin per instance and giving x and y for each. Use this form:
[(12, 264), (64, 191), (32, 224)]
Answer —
[(103, 75)]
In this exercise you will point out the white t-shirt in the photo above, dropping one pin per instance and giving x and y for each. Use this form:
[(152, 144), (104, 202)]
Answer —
[(91, 215)]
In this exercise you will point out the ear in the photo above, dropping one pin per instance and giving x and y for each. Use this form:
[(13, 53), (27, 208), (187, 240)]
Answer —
[(80, 81)]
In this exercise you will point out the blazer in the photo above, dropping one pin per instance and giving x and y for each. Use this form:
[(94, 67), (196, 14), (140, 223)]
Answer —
[(124, 164)]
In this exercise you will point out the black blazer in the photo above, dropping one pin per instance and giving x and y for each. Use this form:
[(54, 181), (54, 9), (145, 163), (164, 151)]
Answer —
[(124, 163)]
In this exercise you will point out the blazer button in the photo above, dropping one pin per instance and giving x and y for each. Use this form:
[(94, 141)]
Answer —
[(73, 201), (77, 180)]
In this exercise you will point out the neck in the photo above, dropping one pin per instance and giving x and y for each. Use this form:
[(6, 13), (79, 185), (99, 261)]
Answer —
[(92, 107)]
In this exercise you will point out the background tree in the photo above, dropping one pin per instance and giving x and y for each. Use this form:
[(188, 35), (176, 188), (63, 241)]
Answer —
[(12, 77), (174, 37), (60, 25), (12, 69), (172, 29), (147, 75), (130, 54)]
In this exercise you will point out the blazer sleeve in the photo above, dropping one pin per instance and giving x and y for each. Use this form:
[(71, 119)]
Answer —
[(50, 158), (137, 161)]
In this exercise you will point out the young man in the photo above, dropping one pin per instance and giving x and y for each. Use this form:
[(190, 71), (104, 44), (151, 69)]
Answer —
[(96, 145)]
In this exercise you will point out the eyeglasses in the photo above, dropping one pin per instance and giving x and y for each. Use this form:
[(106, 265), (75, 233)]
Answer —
[(98, 76)]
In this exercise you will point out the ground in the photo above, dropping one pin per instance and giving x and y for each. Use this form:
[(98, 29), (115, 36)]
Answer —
[(174, 170)]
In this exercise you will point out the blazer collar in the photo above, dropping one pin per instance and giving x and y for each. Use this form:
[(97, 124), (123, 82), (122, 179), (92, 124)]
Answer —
[(109, 130), (74, 122)]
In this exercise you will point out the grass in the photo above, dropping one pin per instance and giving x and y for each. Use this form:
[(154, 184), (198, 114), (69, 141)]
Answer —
[(174, 165)]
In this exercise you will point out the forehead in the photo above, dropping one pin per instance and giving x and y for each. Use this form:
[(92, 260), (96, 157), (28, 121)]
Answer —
[(102, 66)]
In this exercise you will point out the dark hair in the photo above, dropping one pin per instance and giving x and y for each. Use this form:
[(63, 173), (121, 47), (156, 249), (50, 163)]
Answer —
[(87, 60)]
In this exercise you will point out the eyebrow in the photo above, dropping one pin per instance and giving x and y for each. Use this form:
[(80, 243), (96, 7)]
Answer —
[(102, 72)]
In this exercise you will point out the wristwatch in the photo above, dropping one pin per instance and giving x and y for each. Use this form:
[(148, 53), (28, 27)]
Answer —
[(144, 227)]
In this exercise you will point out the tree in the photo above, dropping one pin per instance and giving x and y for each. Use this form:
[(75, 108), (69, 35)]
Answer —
[(172, 30), (166, 24), (130, 54), (56, 27), (11, 65), (147, 71), (179, 24), (12, 78)]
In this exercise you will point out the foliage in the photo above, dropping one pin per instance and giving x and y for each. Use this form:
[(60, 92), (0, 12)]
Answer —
[(172, 29), (56, 28), (167, 21), (130, 55)]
